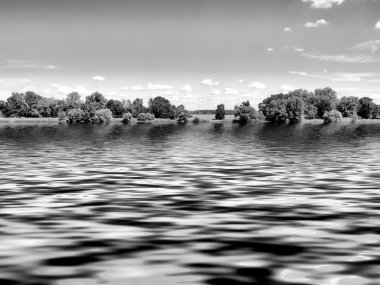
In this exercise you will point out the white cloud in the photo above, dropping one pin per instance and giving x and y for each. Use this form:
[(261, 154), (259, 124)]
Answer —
[(210, 82), (151, 86), (98, 78), (372, 46), (286, 88), (170, 92), (299, 49), (324, 3), (377, 26), (46, 91), (68, 89), (216, 92), (25, 64), (270, 49), (340, 58), (287, 29), (257, 85), (241, 80), (113, 93), (125, 88), (320, 22), (187, 88), (336, 77), (230, 91), (137, 88)]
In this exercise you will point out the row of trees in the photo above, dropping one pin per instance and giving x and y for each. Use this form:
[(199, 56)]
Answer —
[(299, 104), (95, 107)]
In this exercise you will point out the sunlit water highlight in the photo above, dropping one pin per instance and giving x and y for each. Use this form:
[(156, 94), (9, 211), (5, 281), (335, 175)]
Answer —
[(190, 204)]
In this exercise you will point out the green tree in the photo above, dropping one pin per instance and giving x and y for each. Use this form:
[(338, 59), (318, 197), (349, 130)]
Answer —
[(16, 105), (137, 107), (246, 113), (348, 106), (162, 108), (220, 112), (73, 101), (325, 100), (366, 108), (294, 109), (95, 101)]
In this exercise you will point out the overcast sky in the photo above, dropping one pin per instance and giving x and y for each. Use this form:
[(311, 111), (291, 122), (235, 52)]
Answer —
[(196, 52)]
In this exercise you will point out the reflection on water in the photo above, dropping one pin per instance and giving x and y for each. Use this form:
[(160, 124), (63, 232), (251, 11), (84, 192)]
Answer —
[(190, 204)]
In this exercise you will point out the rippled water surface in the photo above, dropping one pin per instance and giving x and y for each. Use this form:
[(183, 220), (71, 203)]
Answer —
[(190, 204)]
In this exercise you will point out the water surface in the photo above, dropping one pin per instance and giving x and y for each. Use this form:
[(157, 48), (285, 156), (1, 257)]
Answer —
[(189, 204)]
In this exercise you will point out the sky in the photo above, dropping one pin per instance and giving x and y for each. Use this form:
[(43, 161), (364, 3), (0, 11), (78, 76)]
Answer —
[(199, 53)]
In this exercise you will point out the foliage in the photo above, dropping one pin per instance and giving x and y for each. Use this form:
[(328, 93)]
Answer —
[(348, 106), (73, 101), (142, 117), (366, 108), (196, 120), (332, 116), (137, 107), (294, 109), (220, 112), (127, 117), (95, 101), (324, 100), (183, 117), (247, 114), (76, 115), (116, 107), (102, 116), (62, 115), (162, 108), (32, 99), (16, 105)]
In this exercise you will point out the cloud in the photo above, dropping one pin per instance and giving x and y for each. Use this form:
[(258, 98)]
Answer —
[(64, 89), (151, 86), (216, 92), (299, 49), (98, 78), (337, 77), (241, 80), (340, 58), (270, 49), (372, 46), (377, 26), (113, 93), (210, 82), (25, 64), (286, 88), (137, 88), (230, 91), (324, 3), (125, 88), (320, 22), (257, 85), (187, 88), (287, 29)]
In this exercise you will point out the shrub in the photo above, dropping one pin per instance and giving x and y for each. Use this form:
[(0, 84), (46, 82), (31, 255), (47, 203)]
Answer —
[(196, 120), (62, 115), (332, 116), (183, 117), (220, 112), (246, 113), (76, 115), (142, 117), (102, 116), (127, 117)]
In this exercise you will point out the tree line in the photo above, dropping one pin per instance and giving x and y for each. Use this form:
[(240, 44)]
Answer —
[(293, 106), (94, 108)]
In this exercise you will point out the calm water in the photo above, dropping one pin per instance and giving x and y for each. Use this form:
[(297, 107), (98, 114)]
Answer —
[(190, 204)]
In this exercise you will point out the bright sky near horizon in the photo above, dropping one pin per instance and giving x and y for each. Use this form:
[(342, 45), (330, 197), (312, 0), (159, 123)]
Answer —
[(196, 52)]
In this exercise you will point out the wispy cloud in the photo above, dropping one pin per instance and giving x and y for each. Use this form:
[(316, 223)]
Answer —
[(137, 88), (324, 3), (257, 85), (159, 86), (98, 78), (270, 49), (372, 46), (299, 49), (317, 23), (64, 89), (25, 64), (216, 92), (336, 77), (286, 88), (341, 58), (230, 91), (210, 82), (377, 26), (187, 88), (287, 29)]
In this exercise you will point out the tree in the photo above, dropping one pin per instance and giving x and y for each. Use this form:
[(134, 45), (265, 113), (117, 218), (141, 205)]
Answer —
[(16, 105), (95, 101), (274, 108), (73, 101), (127, 117), (32, 100), (294, 109), (142, 117), (137, 107), (162, 108), (366, 108), (325, 100), (309, 109), (116, 107), (76, 115), (246, 113), (332, 116), (102, 116), (220, 112), (348, 106)]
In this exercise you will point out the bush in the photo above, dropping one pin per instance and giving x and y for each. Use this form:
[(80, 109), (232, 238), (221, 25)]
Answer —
[(183, 117), (62, 115), (76, 115), (127, 117), (332, 116), (196, 120), (102, 116), (247, 114), (142, 117)]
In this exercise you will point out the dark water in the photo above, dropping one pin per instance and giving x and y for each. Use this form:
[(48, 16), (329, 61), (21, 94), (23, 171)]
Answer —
[(190, 204)]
